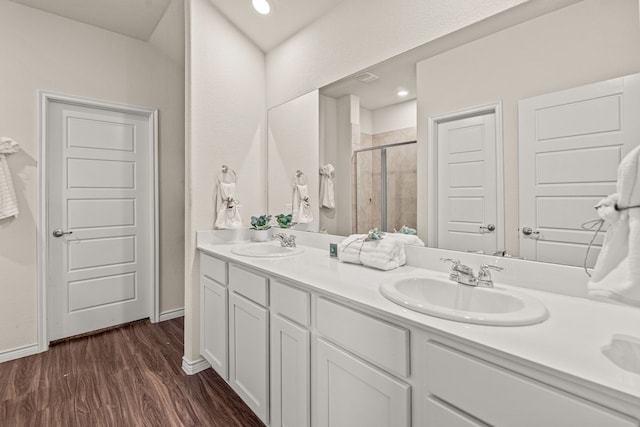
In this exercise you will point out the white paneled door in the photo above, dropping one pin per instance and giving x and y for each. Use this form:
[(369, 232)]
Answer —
[(100, 214), (467, 181), (570, 145)]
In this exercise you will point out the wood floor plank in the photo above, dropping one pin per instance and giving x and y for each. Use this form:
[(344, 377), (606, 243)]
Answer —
[(130, 376)]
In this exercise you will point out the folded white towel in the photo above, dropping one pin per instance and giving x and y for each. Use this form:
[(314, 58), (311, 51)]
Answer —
[(617, 271), (8, 200), (327, 195), (228, 215), (301, 207), (407, 239), (383, 254)]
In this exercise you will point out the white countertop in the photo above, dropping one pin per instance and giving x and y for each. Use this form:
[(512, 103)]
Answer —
[(569, 343)]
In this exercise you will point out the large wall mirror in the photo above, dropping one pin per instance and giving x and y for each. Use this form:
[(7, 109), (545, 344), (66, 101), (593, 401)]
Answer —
[(474, 144)]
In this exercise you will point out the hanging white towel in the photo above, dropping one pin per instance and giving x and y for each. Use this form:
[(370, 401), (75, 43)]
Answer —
[(301, 206), (8, 200), (228, 215), (384, 254), (327, 197), (617, 272)]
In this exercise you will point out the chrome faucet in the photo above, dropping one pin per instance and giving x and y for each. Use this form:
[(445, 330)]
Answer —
[(463, 274), (286, 241)]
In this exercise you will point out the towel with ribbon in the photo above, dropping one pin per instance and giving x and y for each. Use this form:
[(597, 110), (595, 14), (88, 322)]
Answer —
[(301, 206), (8, 200), (327, 195), (228, 215), (616, 275), (375, 249)]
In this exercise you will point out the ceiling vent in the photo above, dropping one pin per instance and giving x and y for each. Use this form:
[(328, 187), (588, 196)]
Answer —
[(366, 77)]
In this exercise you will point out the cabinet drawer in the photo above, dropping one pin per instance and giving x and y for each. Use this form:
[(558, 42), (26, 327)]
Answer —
[(290, 302), (503, 398), (213, 268), (379, 342), (248, 284)]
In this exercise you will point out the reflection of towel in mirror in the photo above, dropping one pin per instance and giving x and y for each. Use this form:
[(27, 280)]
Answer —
[(228, 215), (383, 254), (407, 239), (327, 198), (301, 206), (8, 200), (617, 271)]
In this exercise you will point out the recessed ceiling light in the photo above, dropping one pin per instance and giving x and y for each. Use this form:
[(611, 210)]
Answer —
[(261, 6), (403, 92)]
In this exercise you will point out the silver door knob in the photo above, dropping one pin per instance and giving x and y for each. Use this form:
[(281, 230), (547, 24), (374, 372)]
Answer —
[(528, 231), (487, 228), (60, 233)]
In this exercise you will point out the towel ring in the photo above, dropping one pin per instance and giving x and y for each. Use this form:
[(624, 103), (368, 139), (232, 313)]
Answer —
[(227, 175), (300, 178)]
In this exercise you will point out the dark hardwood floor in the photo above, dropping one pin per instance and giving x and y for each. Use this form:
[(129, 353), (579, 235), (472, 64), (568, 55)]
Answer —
[(130, 376)]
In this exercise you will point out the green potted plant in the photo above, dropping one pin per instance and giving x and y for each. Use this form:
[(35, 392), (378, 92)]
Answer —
[(284, 221), (260, 228)]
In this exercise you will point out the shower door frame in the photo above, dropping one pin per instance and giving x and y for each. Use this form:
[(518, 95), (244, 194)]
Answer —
[(383, 179)]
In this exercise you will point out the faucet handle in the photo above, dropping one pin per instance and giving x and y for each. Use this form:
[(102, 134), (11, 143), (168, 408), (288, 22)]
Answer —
[(453, 275), (484, 275)]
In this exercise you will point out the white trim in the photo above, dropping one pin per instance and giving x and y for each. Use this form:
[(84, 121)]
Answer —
[(432, 153), (171, 314), (192, 367), (44, 98), (18, 352)]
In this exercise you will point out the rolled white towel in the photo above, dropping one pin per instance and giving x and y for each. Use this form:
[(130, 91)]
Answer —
[(383, 254)]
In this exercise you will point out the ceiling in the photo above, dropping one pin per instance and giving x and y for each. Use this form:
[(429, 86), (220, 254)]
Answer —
[(133, 18), (287, 17)]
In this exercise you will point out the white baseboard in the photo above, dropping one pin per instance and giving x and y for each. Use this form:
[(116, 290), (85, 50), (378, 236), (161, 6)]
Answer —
[(16, 353), (192, 367), (171, 314)]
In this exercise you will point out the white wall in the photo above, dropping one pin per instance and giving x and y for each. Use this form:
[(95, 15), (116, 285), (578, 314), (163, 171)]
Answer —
[(393, 117), (225, 124), (366, 121), (41, 51), (359, 33), (587, 42)]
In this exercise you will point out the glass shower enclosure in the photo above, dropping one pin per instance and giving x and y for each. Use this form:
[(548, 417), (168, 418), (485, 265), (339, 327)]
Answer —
[(385, 187)]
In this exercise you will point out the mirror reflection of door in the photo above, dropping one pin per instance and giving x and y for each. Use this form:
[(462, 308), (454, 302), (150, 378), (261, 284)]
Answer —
[(570, 145), (467, 205)]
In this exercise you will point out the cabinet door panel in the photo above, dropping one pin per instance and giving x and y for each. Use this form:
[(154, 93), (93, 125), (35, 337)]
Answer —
[(440, 414), (290, 384), (248, 358), (350, 392), (213, 327)]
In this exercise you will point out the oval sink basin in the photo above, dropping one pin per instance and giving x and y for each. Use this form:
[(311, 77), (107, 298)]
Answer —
[(484, 306), (266, 250)]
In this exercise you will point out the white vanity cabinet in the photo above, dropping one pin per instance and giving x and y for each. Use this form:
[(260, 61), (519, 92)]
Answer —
[(248, 339), (299, 357), (213, 308), (290, 356)]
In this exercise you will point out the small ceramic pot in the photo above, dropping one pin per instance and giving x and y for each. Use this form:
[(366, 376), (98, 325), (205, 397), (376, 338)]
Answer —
[(259, 235)]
